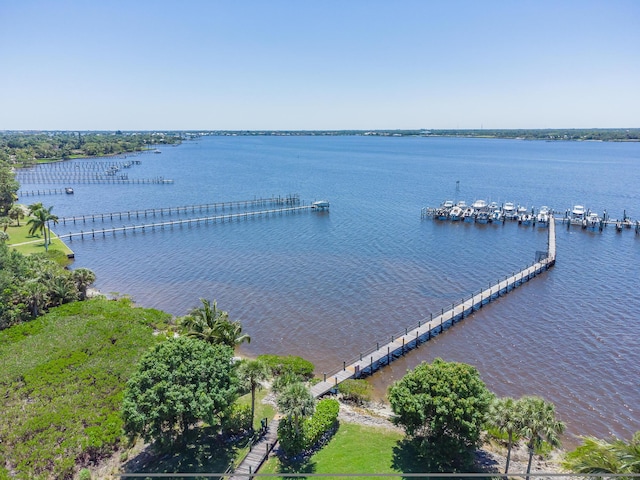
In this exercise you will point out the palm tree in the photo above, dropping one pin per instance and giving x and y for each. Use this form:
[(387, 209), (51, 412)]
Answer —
[(601, 456), (213, 325), (504, 414), (62, 289), (36, 296), (34, 207), (251, 373), (83, 278), (539, 424), (40, 222), (296, 402)]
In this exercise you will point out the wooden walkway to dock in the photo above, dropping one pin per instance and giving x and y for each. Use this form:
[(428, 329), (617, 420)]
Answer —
[(188, 221), (368, 362), (293, 199), (258, 453)]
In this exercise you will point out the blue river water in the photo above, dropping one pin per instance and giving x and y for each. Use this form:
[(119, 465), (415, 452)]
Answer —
[(329, 285)]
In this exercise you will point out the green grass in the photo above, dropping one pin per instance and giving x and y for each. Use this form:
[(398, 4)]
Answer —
[(61, 383), (354, 449), (262, 410), (22, 241)]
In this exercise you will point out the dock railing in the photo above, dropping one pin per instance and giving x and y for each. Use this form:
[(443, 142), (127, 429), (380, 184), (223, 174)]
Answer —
[(412, 336)]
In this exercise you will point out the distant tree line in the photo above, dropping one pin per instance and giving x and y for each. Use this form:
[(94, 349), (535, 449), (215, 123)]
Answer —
[(24, 149)]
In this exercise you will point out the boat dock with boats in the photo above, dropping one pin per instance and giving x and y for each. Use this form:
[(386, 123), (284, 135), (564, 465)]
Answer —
[(482, 212)]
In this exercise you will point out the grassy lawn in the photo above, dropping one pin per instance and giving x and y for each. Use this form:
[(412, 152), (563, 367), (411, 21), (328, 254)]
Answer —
[(20, 240), (262, 410), (354, 449)]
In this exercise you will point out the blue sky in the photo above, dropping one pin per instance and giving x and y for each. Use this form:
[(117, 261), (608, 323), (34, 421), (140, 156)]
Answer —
[(107, 65)]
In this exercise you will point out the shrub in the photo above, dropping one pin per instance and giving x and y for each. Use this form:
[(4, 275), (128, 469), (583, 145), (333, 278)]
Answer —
[(280, 364), (314, 431), (85, 474), (236, 419), (355, 391), (322, 422)]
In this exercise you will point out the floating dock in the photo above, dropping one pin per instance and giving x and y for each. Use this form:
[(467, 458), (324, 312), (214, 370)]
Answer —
[(383, 354)]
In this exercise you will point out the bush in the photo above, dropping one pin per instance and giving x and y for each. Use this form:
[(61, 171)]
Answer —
[(355, 391), (236, 420), (280, 364), (314, 431), (85, 474), (322, 422)]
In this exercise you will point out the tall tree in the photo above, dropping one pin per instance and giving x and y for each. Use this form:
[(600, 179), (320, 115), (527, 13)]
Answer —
[(442, 405), (251, 373), (40, 223), (8, 188), (295, 403), (180, 382), (505, 415), (16, 212), (539, 424)]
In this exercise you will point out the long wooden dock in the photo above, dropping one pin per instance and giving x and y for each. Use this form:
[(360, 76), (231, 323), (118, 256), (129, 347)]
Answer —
[(188, 222), (289, 200), (412, 337)]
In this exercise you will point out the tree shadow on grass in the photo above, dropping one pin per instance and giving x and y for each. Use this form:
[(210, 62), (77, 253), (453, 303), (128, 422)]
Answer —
[(204, 451), (419, 455)]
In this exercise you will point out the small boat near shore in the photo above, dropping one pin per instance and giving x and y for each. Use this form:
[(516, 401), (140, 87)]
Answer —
[(68, 191)]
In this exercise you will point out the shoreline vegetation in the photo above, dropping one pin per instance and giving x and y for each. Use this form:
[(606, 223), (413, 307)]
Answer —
[(24, 148)]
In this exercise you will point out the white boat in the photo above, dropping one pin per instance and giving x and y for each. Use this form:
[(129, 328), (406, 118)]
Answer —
[(592, 221), (68, 190), (483, 217), (509, 211), (469, 214), (479, 204), (577, 215), (320, 204), (493, 206), (525, 218), (455, 214), (497, 216), (542, 218), (447, 204)]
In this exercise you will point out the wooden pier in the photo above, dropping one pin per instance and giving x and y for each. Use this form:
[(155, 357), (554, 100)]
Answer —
[(47, 191), (188, 222), (293, 199), (412, 337)]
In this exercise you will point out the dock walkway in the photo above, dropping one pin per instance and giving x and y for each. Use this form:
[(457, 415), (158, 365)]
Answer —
[(188, 221), (258, 453), (290, 200), (368, 362)]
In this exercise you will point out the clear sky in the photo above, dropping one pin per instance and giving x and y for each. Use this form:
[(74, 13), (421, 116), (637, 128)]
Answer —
[(362, 64)]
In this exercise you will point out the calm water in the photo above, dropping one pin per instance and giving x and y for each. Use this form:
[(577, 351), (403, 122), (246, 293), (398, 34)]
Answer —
[(327, 286)]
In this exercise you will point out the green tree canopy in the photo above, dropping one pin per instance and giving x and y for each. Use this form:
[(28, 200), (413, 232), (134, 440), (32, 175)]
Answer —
[(8, 188), (178, 383), (442, 405)]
